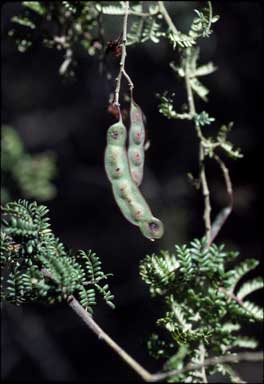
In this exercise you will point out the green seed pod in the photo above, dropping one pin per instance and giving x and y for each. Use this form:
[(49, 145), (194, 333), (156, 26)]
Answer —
[(136, 153), (131, 209), (127, 195), (115, 156), (117, 134), (115, 164)]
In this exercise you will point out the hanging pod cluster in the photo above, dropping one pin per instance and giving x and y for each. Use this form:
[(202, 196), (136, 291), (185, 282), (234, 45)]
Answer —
[(124, 169)]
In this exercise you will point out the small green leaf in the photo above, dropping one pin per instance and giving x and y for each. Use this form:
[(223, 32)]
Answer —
[(254, 309), (35, 6), (250, 286), (245, 342), (23, 21)]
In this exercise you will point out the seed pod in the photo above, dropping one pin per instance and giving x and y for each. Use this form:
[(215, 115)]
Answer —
[(136, 153), (115, 156), (127, 195)]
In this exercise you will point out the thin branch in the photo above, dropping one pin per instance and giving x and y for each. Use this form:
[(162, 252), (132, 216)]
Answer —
[(130, 83), (223, 215), (190, 97), (87, 318), (202, 359), (67, 61), (206, 195), (210, 15), (205, 189), (122, 70), (89, 321), (232, 296), (182, 116), (141, 371), (167, 17), (244, 356), (134, 13)]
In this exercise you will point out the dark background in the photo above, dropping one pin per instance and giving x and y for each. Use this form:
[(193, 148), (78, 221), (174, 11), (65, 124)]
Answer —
[(70, 118)]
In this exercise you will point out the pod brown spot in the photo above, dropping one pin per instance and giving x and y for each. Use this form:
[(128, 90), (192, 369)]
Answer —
[(138, 137), (115, 135), (154, 227), (137, 158), (136, 117)]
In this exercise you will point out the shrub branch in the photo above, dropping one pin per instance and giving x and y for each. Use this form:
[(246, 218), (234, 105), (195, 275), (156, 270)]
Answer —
[(139, 369), (225, 212), (203, 179), (122, 70)]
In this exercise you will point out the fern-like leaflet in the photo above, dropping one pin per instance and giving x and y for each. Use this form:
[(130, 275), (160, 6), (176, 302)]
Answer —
[(29, 248)]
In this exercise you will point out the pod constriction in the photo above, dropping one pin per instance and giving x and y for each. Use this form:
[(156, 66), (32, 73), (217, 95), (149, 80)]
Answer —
[(127, 195)]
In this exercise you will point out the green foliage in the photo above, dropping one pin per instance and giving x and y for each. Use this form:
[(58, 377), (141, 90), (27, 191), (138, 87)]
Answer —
[(151, 31), (240, 271), (159, 272), (201, 308), (249, 287), (210, 144), (111, 7), (189, 60), (80, 23), (201, 25), (188, 68), (35, 6), (189, 64), (147, 28), (227, 146), (23, 21), (245, 342), (135, 33), (71, 23), (166, 107), (180, 39), (203, 118), (22, 173), (227, 370), (36, 266), (145, 25)]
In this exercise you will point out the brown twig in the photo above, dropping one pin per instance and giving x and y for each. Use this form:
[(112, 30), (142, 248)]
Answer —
[(244, 356), (122, 70), (141, 371), (203, 178), (233, 297), (225, 212), (67, 61), (89, 321), (87, 318), (202, 359), (167, 17)]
